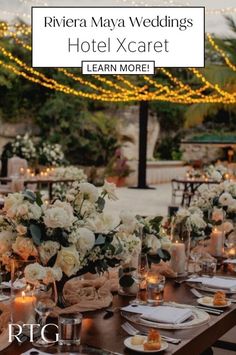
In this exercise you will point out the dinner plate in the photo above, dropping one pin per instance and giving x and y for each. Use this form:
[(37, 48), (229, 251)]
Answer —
[(202, 301), (201, 287), (199, 317), (140, 349)]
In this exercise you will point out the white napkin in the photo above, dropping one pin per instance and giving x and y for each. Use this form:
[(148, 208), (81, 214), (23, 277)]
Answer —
[(17, 284), (230, 261), (161, 314), (216, 282)]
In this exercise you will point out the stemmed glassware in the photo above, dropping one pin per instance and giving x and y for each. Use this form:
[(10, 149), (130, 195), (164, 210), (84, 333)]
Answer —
[(195, 255), (45, 300), (140, 273), (139, 277)]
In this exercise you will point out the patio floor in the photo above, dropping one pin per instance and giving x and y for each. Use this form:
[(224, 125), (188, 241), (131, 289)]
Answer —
[(142, 202)]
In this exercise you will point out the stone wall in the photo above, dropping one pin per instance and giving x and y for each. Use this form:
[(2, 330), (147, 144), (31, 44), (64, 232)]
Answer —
[(207, 153), (8, 131)]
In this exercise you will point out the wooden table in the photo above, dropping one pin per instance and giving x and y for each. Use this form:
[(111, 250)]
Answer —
[(190, 187), (39, 181), (108, 334)]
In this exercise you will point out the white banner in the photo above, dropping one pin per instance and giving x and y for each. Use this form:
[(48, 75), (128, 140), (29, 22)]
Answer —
[(68, 36)]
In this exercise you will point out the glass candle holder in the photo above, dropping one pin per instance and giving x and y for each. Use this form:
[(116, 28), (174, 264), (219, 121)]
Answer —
[(70, 328), (155, 288)]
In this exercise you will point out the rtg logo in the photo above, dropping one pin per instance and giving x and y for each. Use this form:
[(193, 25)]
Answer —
[(16, 330)]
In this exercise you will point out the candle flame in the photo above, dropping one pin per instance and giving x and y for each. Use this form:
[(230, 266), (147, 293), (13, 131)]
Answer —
[(23, 294)]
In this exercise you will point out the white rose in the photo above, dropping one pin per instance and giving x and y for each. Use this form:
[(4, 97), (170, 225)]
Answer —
[(22, 210), (35, 211), (129, 222), (24, 247), (89, 191), (21, 229), (102, 223), (11, 204), (59, 215), (6, 240), (52, 275), (197, 221), (216, 175), (68, 260), (232, 206), (110, 190), (225, 199), (47, 250), (85, 240), (153, 243), (34, 273)]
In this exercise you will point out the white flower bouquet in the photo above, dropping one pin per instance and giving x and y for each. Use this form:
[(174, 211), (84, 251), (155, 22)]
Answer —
[(66, 172), (68, 237), (24, 147), (50, 154)]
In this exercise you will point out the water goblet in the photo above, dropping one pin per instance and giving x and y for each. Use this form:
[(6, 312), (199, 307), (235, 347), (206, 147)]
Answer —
[(45, 300)]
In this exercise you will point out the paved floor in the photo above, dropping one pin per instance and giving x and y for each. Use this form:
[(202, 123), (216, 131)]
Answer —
[(142, 202)]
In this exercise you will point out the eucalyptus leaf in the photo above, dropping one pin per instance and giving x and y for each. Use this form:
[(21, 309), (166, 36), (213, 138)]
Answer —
[(100, 240), (36, 234), (100, 204), (29, 195)]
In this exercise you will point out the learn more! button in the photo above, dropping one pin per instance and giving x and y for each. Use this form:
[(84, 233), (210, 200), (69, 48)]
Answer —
[(112, 67)]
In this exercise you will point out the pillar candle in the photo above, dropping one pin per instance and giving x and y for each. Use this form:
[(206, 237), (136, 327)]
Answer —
[(217, 242), (178, 257), (23, 308)]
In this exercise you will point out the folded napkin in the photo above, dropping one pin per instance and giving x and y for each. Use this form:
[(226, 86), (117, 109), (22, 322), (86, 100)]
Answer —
[(230, 261), (161, 314), (216, 282)]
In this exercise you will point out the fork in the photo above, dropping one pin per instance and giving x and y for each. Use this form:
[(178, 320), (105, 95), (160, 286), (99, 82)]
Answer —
[(131, 330)]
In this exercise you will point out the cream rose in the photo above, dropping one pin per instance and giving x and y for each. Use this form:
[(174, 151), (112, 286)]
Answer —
[(85, 241), (24, 247), (110, 190), (59, 215), (47, 250), (88, 191), (52, 275), (7, 238), (34, 273), (21, 229), (68, 260), (153, 243)]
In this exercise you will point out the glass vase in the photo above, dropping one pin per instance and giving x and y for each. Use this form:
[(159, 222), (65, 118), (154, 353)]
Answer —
[(180, 249)]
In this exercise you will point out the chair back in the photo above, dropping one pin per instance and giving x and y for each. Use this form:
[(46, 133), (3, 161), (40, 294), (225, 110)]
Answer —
[(14, 166)]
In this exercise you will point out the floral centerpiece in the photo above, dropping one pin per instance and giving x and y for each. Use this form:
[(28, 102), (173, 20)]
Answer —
[(66, 172), (50, 154), (68, 237), (24, 147), (216, 172)]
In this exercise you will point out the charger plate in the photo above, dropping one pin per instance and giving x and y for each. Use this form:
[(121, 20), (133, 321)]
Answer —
[(201, 287), (198, 317)]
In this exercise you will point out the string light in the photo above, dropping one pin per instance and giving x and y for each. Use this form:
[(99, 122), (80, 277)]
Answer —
[(118, 88)]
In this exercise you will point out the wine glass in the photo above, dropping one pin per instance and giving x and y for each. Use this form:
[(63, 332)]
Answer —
[(45, 300), (139, 277), (195, 255)]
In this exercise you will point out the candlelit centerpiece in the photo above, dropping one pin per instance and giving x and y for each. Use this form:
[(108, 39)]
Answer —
[(70, 237)]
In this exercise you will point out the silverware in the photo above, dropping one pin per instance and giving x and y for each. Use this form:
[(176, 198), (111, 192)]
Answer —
[(210, 310), (131, 330)]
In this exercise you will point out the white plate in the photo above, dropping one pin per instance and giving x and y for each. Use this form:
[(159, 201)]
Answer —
[(201, 301), (199, 317), (140, 349)]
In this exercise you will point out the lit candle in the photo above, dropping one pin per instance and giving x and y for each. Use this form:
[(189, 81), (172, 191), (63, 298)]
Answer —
[(178, 257), (22, 171), (232, 253), (23, 308), (217, 242)]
